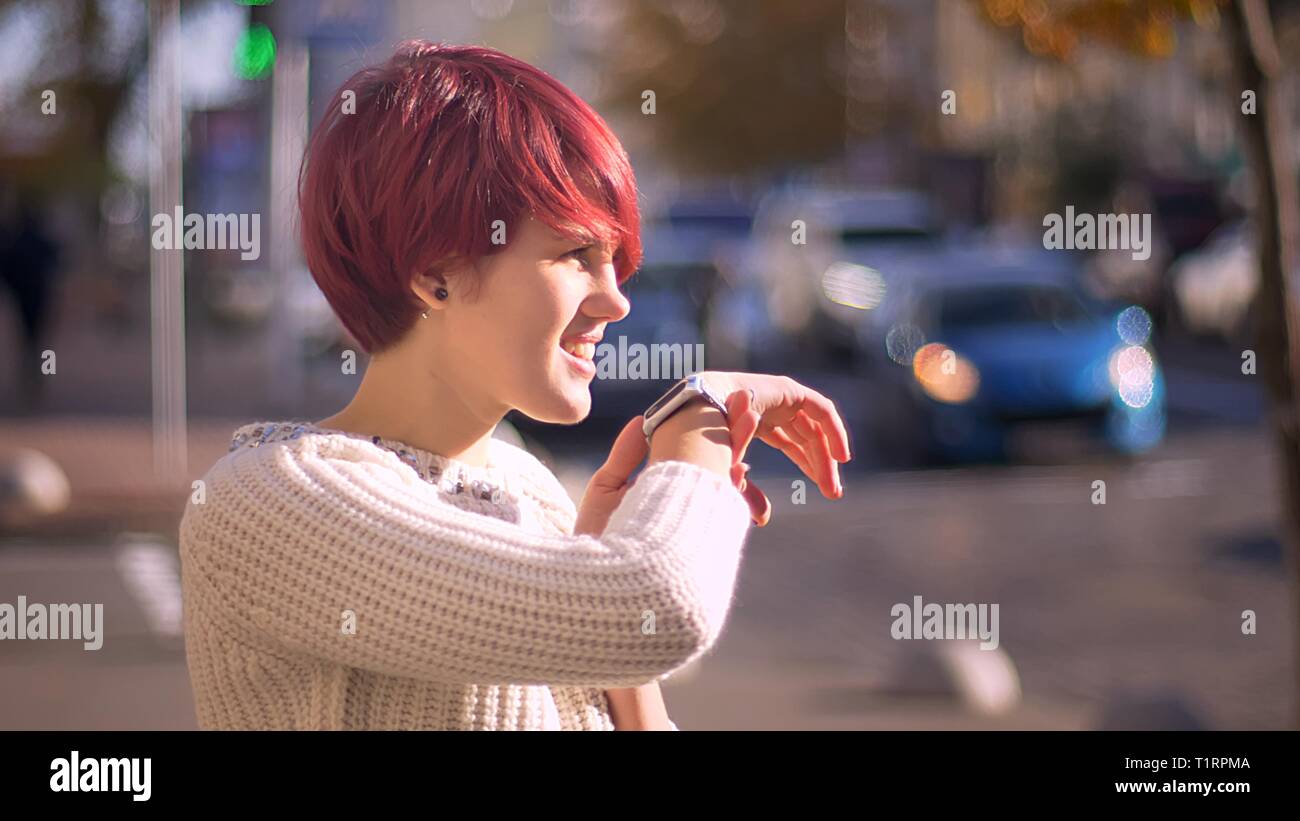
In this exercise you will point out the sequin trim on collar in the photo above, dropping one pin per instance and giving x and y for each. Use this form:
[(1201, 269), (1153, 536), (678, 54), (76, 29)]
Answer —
[(445, 473)]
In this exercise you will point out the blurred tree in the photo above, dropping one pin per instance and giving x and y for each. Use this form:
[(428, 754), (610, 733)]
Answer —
[(739, 85), (1149, 28), (91, 76), (91, 56)]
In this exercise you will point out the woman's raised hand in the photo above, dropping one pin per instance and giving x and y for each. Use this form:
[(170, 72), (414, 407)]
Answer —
[(795, 419)]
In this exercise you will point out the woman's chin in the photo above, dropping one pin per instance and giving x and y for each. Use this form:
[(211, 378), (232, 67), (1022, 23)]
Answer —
[(568, 408), (579, 406)]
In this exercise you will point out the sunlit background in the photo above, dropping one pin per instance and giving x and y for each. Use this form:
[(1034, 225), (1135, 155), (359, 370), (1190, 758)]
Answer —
[(852, 192)]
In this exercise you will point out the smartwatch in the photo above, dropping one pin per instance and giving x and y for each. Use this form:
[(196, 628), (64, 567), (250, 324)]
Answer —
[(688, 389)]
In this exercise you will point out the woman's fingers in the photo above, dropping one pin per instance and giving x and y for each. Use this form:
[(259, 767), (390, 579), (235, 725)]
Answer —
[(800, 422), (744, 423), (780, 398), (760, 508), (628, 451), (778, 438), (747, 427), (799, 449), (822, 411), (816, 446)]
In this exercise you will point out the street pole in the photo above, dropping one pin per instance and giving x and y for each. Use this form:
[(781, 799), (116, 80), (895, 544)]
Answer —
[(166, 266), (289, 100)]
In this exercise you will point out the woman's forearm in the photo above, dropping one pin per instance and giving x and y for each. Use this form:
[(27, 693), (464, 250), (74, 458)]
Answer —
[(695, 434), (638, 708)]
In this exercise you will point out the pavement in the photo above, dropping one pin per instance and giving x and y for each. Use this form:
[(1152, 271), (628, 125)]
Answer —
[(1135, 602)]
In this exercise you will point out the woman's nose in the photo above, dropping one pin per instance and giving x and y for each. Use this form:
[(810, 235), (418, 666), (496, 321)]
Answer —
[(608, 300)]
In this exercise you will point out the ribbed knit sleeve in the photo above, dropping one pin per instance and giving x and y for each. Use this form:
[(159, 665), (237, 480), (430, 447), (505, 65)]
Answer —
[(292, 537)]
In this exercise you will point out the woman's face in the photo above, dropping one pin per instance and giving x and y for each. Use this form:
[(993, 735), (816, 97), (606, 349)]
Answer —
[(527, 338)]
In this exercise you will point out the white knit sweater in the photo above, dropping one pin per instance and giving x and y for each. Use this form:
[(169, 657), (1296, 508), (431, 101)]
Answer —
[(336, 581)]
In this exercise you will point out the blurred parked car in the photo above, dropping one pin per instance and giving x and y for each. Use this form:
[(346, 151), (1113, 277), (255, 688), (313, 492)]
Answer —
[(715, 226), (974, 356), (718, 213), (1214, 287), (855, 244)]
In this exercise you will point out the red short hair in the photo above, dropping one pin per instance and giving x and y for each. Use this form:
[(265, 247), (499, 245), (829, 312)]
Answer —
[(444, 141)]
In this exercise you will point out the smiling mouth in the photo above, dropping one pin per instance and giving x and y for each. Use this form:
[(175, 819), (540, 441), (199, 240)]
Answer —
[(580, 350)]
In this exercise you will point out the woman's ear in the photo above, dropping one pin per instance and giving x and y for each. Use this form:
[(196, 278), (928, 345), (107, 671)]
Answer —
[(431, 289)]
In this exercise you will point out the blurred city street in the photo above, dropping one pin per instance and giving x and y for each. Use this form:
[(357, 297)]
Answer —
[(1023, 246), (1133, 604)]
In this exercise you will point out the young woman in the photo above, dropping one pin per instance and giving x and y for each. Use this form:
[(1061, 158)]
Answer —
[(394, 565)]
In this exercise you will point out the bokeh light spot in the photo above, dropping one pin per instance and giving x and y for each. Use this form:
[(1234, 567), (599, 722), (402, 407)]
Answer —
[(1132, 371), (1134, 325), (856, 286), (945, 376), (902, 342)]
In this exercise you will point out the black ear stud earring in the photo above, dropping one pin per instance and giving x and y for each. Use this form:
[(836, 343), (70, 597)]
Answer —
[(439, 292)]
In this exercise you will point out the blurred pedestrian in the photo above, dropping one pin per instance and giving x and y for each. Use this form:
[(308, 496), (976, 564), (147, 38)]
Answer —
[(29, 259)]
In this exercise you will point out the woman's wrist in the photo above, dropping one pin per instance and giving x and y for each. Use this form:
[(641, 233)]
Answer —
[(697, 433)]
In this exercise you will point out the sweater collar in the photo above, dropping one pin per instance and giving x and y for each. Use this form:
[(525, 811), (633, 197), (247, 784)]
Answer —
[(485, 483)]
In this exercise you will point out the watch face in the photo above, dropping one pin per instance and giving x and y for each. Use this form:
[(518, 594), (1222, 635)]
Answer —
[(665, 399)]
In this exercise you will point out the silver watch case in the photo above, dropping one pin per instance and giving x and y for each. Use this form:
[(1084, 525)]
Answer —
[(676, 397)]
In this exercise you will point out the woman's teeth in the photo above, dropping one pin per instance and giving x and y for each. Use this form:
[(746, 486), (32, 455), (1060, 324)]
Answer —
[(582, 350)]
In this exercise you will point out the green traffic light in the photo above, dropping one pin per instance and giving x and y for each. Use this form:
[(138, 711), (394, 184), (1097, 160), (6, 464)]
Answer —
[(255, 52)]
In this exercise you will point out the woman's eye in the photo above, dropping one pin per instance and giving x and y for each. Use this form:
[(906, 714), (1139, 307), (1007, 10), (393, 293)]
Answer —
[(577, 252)]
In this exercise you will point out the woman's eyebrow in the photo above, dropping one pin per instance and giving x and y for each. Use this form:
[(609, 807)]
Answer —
[(580, 237)]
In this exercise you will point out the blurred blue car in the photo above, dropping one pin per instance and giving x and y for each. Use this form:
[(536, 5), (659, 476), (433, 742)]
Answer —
[(968, 358)]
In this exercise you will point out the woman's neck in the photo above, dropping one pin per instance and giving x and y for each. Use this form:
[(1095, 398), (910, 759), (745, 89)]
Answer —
[(433, 418)]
